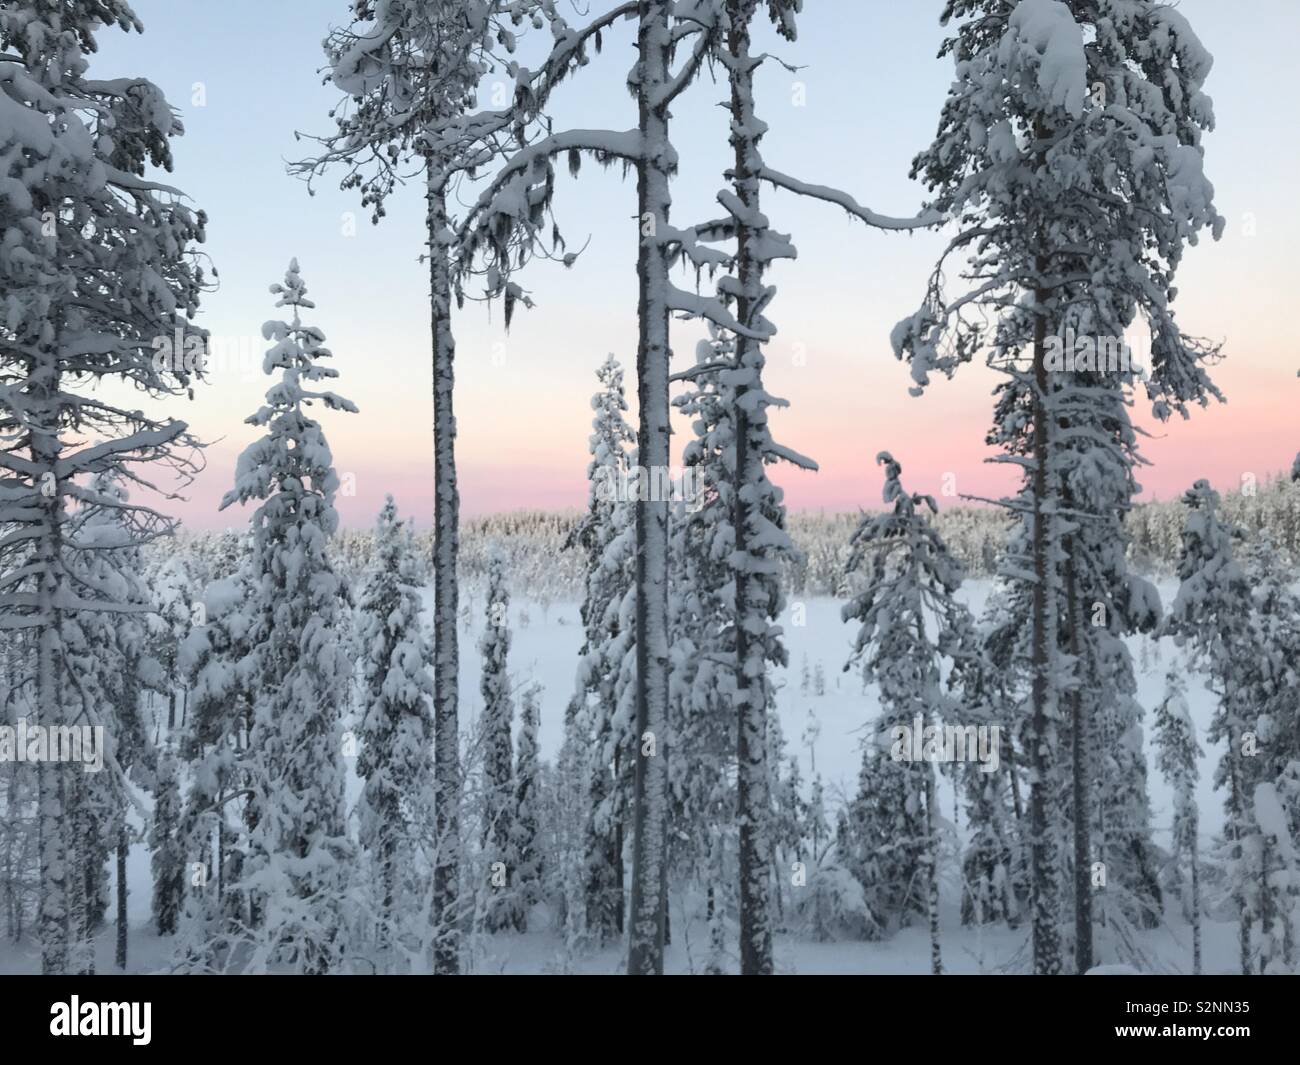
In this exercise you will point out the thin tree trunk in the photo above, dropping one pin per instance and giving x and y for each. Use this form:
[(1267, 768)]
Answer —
[(446, 795), (11, 823), (620, 875), (932, 872), (716, 915), (122, 844), (1101, 837), (1082, 807), (1265, 902), (54, 821), (1196, 897), (752, 799), (777, 888), (1013, 772), (1043, 885), (649, 828), (81, 958), (1234, 813), (53, 916), (387, 877)]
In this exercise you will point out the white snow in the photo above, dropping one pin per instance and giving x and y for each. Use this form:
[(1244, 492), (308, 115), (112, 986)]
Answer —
[(1049, 39)]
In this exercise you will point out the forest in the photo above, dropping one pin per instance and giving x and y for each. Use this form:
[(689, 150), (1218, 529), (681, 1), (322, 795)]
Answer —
[(685, 727)]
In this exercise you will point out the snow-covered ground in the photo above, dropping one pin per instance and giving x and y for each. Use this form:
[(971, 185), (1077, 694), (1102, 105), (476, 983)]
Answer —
[(545, 649)]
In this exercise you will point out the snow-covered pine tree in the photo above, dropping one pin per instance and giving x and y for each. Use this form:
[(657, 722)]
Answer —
[(613, 740), (702, 680), (1121, 825), (571, 809), (819, 827), (109, 657), (19, 842), (833, 903), (167, 859), (1101, 602), (498, 752), (1272, 853), (756, 528), (1177, 754), (788, 817), (1210, 618), (526, 844), (300, 854), (218, 662), (991, 683), (876, 841), (1271, 679), (910, 622), (395, 759), (606, 753), (172, 590), (1062, 166), (407, 69), (99, 265), (227, 554)]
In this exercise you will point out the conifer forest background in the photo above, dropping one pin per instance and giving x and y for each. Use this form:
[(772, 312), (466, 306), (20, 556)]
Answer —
[(952, 627)]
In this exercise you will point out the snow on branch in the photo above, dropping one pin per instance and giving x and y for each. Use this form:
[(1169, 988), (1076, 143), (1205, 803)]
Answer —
[(693, 305), (848, 203)]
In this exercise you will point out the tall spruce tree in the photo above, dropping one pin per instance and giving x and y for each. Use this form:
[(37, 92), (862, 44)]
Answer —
[(1270, 875), (1177, 755), (991, 684), (395, 759), (111, 660), (218, 661), (300, 853), (702, 708), (167, 858), (606, 741), (498, 751), (526, 843), (1211, 618), (910, 622)]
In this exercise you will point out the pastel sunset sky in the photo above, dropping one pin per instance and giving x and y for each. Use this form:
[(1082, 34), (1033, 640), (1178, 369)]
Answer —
[(244, 75)]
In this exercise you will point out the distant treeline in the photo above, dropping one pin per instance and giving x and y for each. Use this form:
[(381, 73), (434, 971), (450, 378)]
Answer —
[(541, 568)]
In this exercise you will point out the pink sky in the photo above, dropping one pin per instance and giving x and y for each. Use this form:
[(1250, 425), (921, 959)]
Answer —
[(935, 435)]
